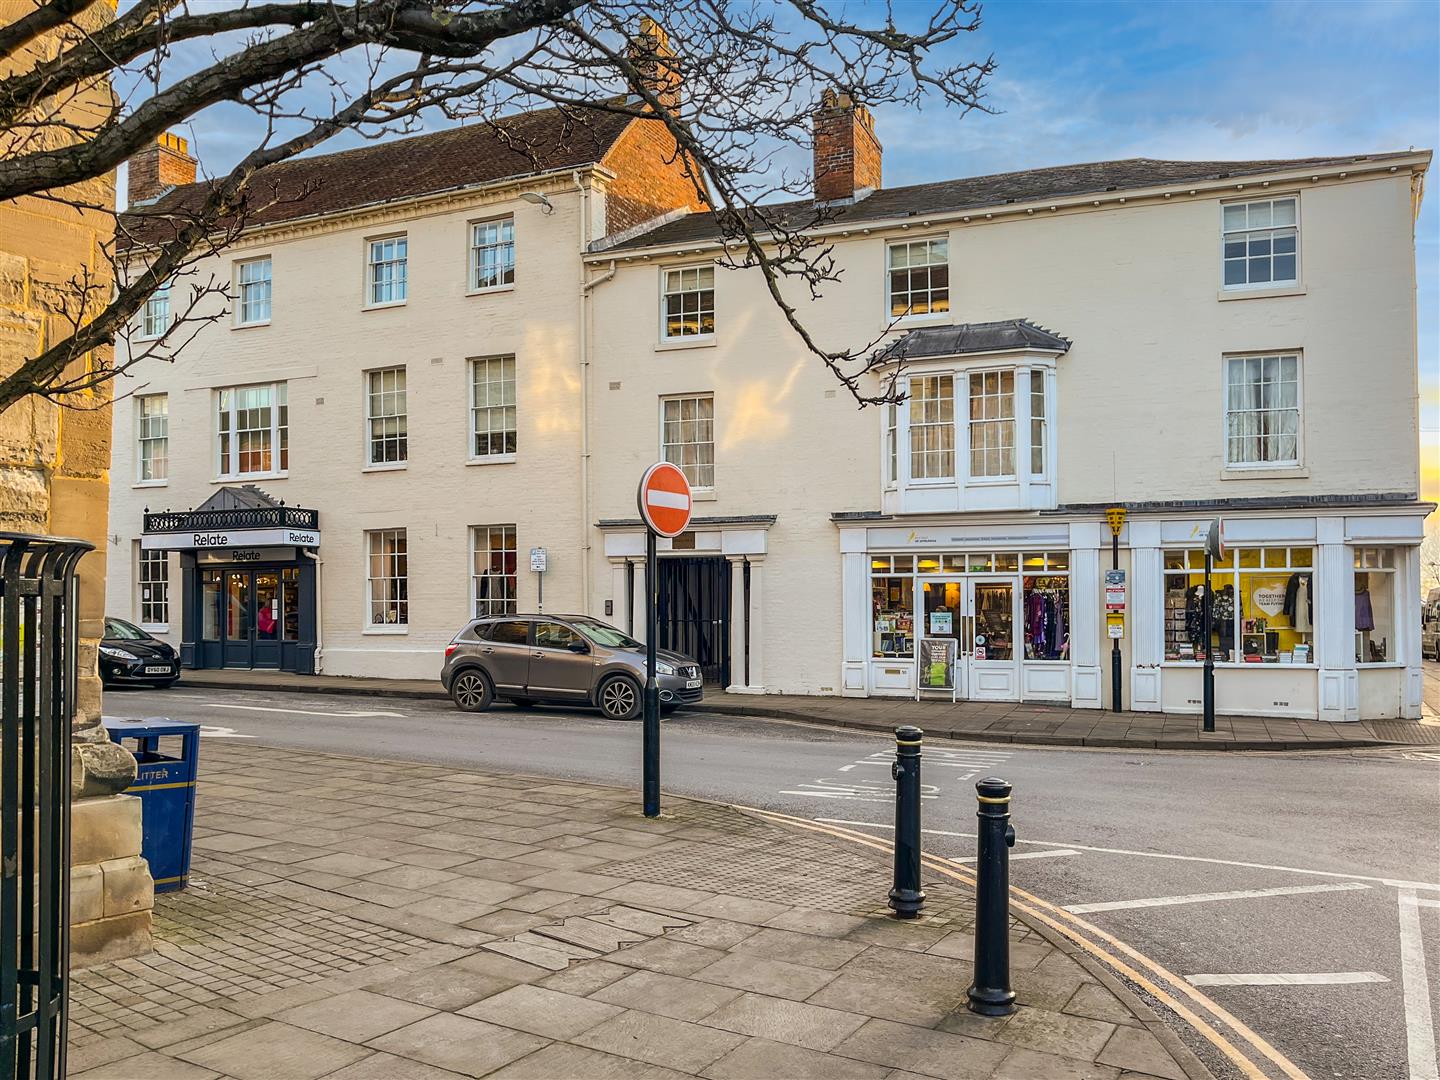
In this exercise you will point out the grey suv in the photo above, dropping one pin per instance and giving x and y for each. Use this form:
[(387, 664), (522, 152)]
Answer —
[(560, 660)]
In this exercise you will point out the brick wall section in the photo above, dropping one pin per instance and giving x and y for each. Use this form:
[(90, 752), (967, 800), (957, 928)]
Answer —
[(165, 164), (650, 177), (847, 153)]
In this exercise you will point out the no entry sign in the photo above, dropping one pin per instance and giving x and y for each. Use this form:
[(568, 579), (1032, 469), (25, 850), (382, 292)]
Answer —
[(664, 499)]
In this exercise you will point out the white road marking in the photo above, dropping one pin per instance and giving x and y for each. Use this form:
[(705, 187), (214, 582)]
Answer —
[(863, 790), (208, 731), (295, 712), (1024, 855), (1425, 901), (1205, 898), (1419, 1024), (1396, 883), (1314, 978), (846, 768)]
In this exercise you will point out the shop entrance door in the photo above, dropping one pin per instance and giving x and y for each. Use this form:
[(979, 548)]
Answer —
[(249, 617), (694, 612), (979, 615)]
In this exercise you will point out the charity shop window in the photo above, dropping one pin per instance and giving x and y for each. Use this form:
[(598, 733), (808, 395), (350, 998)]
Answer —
[(1375, 607), (1263, 607)]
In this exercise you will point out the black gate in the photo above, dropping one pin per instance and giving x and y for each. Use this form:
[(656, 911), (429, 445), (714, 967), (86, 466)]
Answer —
[(38, 620), (694, 613)]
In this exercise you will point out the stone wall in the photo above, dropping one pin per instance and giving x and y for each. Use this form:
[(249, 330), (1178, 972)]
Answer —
[(54, 478)]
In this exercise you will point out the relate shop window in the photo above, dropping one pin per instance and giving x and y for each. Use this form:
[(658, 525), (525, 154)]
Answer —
[(388, 581), (1263, 611), (493, 569), (385, 408), (918, 277), (1261, 243), (253, 284), (1262, 410), (893, 601), (1375, 605), (689, 302), (688, 437), (932, 427), (387, 271), (992, 424), (152, 415), (252, 430), (154, 582), (492, 254)]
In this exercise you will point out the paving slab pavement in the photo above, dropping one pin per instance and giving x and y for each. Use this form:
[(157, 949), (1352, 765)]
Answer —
[(414, 921), (1004, 722)]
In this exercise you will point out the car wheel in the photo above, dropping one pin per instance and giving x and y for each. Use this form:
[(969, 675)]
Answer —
[(619, 698), (471, 691), (522, 702)]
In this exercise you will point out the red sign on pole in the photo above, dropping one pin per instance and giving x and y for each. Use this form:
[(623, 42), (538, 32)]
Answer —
[(664, 499)]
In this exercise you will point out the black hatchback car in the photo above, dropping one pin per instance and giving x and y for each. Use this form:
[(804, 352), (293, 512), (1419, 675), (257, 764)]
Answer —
[(128, 655)]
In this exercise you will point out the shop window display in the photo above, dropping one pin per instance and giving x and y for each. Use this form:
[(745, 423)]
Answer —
[(894, 612), (1374, 605), (1263, 609)]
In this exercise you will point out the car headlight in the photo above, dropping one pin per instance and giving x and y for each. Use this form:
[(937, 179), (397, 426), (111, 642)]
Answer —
[(117, 654), (662, 668)]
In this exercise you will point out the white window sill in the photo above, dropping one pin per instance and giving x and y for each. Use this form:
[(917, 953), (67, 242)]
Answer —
[(1282, 472), (386, 466), (702, 495), (493, 459), (931, 482), (384, 306), (150, 483), (991, 481), (249, 325), (159, 628), (386, 630), (488, 289), (907, 322), (1267, 292), (249, 476), (1229, 664), (700, 341), (137, 336), (1373, 666)]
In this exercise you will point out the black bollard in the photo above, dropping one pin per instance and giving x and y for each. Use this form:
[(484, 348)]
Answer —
[(991, 994), (906, 896)]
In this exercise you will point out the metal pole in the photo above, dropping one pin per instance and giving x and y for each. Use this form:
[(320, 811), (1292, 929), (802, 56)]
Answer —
[(1118, 701), (1207, 680), (651, 733), (906, 896), (991, 994)]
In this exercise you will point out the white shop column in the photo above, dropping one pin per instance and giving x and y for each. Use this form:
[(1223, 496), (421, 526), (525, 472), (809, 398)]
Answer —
[(1407, 626), (619, 596), (1333, 591), (637, 599), (855, 613), (754, 613), (1085, 600), (738, 621), (1146, 615)]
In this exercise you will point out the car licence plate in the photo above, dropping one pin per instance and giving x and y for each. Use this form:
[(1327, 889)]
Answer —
[(692, 684), (157, 669)]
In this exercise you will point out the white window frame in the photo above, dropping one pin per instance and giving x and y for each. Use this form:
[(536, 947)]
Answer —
[(917, 316), (480, 606), (398, 282), (279, 431), (1372, 559), (390, 572), (939, 425), (371, 416), (1245, 235), (472, 429), (244, 306), (890, 455), (999, 422), (1298, 462), (156, 317), (1039, 424), (700, 337), (145, 428), (507, 268), (697, 485), (145, 565)]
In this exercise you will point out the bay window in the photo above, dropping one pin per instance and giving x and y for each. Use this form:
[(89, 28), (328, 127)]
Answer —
[(992, 424), (252, 431), (1037, 423), (932, 427)]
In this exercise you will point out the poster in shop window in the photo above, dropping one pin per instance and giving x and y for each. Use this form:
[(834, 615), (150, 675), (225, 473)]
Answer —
[(937, 664)]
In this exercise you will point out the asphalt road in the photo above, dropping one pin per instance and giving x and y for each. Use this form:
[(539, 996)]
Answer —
[(1356, 831)]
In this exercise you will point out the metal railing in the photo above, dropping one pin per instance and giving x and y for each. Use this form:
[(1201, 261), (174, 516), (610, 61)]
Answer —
[(250, 517), (38, 623)]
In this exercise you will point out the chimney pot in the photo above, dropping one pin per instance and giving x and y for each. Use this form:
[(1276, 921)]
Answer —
[(847, 153), (164, 164)]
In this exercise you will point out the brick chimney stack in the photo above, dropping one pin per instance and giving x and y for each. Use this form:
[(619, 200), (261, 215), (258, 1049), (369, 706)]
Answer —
[(164, 164), (847, 154), (651, 53)]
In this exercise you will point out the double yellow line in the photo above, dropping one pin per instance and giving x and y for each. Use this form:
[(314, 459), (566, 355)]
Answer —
[(1155, 979)]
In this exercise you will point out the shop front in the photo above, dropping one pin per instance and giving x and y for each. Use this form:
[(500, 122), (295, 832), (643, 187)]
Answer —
[(247, 581)]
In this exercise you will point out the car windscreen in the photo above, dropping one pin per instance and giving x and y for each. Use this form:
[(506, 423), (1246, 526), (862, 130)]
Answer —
[(123, 631), (605, 635)]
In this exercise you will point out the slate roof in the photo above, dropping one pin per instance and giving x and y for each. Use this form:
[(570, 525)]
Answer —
[(248, 497), (523, 144), (1002, 336), (977, 192)]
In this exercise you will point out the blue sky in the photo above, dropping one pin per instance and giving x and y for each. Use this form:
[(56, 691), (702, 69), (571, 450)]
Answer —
[(1200, 80)]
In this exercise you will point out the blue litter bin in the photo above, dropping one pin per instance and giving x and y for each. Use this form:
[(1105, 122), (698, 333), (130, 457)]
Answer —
[(165, 786)]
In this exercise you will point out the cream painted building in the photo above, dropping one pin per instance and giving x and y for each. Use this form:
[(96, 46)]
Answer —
[(1186, 340)]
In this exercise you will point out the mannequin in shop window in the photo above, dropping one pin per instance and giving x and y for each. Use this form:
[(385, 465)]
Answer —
[(1366, 651), (1299, 604), (1223, 618)]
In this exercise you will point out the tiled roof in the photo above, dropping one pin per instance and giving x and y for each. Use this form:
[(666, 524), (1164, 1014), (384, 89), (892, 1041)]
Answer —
[(976, 192), (1003, 336), (519, 145)]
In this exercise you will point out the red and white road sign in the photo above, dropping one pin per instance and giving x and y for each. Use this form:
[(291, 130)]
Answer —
[(664, 499)]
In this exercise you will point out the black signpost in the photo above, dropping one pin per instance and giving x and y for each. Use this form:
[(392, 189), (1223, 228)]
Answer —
[(1214, 546)]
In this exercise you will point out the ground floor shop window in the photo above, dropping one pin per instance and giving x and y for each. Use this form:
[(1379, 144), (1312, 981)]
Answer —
[(1046, 610), (1375, 605), (892, 593), (1263, 608), (388, 581)]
